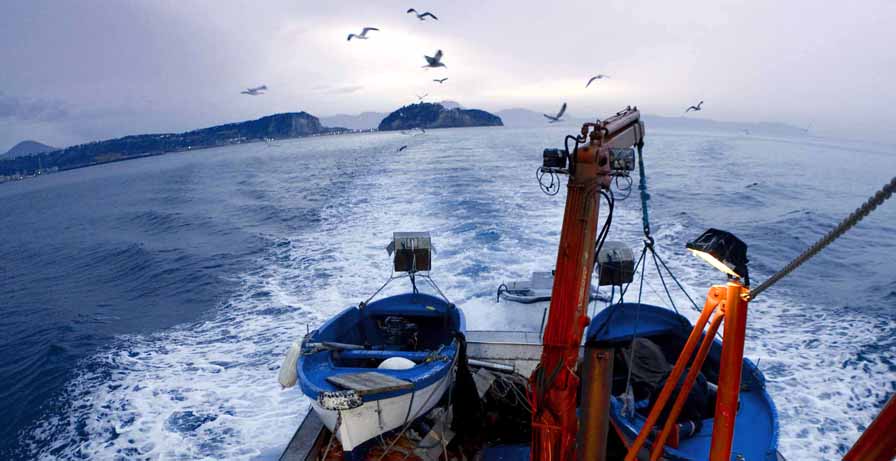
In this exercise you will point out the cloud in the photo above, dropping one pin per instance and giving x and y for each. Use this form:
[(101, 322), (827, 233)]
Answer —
[(32, 110), (345, 89)]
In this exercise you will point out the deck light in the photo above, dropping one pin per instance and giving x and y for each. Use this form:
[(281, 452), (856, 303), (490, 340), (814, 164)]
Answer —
[(723, 251)]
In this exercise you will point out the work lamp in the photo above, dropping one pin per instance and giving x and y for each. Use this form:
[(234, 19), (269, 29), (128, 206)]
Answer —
[(723, 251)]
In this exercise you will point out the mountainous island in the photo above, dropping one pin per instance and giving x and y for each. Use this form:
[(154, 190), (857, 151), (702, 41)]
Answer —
[(429, 115), (30, 157), (278, 126), (28, 147)]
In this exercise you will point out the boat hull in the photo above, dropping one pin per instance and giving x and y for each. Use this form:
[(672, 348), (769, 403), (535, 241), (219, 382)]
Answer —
[(756, 426), (373, 418), (344, 368)]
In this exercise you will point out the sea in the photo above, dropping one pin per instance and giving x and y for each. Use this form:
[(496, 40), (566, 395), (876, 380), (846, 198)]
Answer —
[(146, 305)]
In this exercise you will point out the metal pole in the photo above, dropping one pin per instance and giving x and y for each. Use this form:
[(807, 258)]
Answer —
[(729, 371), (553, 384), (597, 377), (713, 298), (689, 380)]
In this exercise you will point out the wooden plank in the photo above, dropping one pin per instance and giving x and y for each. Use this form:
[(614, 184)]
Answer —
[(305, 444), (370, 382)]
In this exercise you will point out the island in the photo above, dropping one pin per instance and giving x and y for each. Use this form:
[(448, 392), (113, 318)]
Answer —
[(277, 126), (27, 147), (429, 115)]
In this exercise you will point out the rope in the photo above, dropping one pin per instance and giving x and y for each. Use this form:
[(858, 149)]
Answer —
[(660, 272), (408, 418), (680, 287), (637, 265), (333, 435), (845, 225), (642, 186), (392, 277), (433, 283)]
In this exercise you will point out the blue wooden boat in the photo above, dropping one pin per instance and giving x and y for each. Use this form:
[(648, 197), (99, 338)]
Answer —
[(376, 367), (756, 427)]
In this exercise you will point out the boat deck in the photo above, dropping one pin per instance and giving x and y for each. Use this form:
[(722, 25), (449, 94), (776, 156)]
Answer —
[(520, 350)]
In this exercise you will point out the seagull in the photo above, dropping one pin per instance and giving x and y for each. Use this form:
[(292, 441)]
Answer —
[(596, 77), (422, 16), (556, 118), (257, 91), (402, 148), (420, 98), (363, 34), (434, 61), (695, 108), (440, 80)]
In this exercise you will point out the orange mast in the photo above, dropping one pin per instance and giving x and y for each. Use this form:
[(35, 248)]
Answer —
[(554, 385)]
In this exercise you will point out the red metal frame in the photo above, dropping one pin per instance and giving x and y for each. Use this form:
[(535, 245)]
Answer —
[(554, 423), (554, 385), (732, 301), (671, 421), (729, 371), (878, 442), (713, 300)]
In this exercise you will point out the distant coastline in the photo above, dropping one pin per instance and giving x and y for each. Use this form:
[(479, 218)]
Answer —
[(302, 124), (272, 127)]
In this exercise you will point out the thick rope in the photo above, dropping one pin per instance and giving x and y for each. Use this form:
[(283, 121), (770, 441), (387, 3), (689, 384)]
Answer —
[(845, 225), (642, 186)]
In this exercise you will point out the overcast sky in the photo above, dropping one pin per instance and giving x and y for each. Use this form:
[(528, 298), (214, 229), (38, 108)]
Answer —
[(75, 71)]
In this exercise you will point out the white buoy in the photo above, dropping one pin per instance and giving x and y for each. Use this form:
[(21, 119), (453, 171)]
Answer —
[(396, 363), (288, 373)]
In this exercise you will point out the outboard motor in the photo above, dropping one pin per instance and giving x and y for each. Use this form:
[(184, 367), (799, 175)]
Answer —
[(401, 332)]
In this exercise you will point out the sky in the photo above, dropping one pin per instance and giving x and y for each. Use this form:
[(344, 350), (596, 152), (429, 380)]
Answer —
[(78, 71)]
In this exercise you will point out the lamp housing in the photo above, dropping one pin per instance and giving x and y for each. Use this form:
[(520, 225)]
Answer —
[(724, 251)]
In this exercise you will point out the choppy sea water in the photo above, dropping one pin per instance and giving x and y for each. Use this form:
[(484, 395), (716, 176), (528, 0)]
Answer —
[(146, 304)]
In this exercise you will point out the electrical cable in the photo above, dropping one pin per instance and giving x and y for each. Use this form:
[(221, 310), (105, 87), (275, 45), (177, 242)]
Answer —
[(605, 230)]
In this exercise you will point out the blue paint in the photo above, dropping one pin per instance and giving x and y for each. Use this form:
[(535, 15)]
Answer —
[(437, 320), (756, 427)]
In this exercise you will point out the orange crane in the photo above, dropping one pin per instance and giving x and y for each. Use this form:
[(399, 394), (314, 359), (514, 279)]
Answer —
[(554, 384)]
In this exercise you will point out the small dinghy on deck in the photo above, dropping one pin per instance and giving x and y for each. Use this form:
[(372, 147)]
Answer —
[(536, 289), (659, 329), (379, 366), (372, 369)]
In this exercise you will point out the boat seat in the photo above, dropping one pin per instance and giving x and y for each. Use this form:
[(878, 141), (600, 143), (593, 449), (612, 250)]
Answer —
[(370, 382), (415, 356)]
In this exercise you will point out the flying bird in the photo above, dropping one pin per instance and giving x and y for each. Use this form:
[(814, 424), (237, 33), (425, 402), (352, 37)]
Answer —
[(695, 108), (556, 118), (363, 34), (596, 77), (420, 98), (257, 91), (422, 16), (434, 61), (440, 80), (402, 148)]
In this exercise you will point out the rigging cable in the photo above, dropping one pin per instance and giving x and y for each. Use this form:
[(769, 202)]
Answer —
[(848, 223), (605, 230), (642, 186)]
